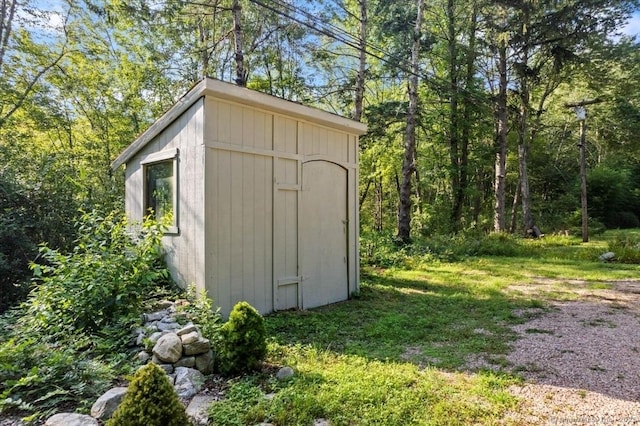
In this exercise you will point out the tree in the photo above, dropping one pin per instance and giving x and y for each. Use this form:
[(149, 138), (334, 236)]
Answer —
[(408, 163)]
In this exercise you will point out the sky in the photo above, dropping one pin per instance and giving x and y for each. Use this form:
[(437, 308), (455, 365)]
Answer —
[(633, 27)]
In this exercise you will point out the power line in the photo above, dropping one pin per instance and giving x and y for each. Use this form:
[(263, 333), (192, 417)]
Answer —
[(327, 29)]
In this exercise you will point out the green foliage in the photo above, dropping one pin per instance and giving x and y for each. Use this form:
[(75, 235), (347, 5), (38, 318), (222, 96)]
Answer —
[(64, 345), (150, 401), (611, 197), (381, 250), (243, 345), (626, 248), (244, 404), (39, 378), (27, 212), (200, 311), (105, 278)]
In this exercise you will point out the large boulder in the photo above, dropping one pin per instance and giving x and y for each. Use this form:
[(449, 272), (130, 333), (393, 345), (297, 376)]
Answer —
[(106, 405), (188, 382), (168, 348), (71, 419)]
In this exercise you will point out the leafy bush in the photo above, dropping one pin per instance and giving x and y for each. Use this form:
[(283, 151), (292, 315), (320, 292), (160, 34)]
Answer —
[(69, 339), (381, 250), (611, 192), (150, 401), (243, 344), (104, 279), (30, 214)]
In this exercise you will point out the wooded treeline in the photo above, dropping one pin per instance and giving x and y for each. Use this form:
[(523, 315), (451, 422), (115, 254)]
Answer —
[(465, 102)]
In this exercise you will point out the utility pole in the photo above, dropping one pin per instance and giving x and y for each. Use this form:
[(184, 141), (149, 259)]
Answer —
[(581, 112)]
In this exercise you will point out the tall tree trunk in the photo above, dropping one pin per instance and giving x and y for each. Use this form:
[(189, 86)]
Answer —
[(408, 163), (378, 213), (241, 70), (7, 12), (465, 137), (457, 192), (514, 208), (362, 64), (500, 178), (523, 153)]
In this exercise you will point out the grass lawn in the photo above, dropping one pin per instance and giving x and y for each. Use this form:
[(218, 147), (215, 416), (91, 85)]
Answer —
[(396, 354)]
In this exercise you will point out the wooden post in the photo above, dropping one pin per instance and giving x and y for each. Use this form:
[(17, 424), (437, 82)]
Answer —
[(581, 111)]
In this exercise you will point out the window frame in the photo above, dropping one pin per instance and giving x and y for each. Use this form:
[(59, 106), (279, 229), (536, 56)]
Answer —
[(154, 159)]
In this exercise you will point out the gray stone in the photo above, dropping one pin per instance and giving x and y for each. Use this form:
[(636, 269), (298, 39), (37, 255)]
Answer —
[(106, 405), (189, 338), (154, 316), (189, 328), (71, 419), (204, 363), (143, 356), (284, 373), (198, 407), (189, 382), (607, 256), (186, 361), (198, 347), (164, 304), (155, 337), (168, 348), (168, 368), (140, 339), (167, 326), (321, 422), (151, 327)]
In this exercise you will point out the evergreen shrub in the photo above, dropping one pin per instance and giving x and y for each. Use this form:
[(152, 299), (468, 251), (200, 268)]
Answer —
[(150, 401), (244, 343)]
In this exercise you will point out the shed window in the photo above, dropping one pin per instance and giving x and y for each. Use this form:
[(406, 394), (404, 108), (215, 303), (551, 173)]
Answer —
[(160, 187)]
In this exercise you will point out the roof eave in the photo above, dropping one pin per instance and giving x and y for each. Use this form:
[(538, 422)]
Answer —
[(221, 90)]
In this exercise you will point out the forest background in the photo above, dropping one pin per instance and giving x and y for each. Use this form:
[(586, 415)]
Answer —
[(466, 102)]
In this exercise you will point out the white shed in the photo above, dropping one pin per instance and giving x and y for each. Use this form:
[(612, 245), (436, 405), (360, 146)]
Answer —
[(263, 193)]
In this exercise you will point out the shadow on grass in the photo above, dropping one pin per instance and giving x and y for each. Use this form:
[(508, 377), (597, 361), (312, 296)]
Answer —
[(402, 319)]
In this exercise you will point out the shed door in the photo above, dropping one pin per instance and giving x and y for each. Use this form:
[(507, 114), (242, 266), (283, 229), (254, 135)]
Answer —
[(323, 234)]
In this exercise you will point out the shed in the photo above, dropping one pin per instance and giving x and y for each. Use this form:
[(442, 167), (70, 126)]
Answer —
[(263, 194)]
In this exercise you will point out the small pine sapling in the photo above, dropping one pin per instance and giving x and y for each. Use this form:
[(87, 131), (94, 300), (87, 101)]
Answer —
[(244, 343), (150, 401)]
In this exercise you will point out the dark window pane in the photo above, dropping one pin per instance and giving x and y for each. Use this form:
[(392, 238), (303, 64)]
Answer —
[(159, 182)]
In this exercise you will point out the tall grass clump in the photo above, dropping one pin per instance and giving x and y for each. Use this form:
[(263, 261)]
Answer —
[(65, 343), (626, 248)]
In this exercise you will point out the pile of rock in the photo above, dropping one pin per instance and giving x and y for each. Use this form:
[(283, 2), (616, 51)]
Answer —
[(171, 345), (180, 350)]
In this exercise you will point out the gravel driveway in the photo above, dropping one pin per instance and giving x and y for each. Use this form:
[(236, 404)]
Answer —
[(580, 358)]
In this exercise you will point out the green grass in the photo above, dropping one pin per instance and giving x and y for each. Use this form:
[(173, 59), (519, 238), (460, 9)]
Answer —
[(397, 353)]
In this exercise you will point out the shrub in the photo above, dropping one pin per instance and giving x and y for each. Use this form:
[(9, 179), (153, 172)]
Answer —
[(244, 343), (68, 340), (150, 401), (106, 277)]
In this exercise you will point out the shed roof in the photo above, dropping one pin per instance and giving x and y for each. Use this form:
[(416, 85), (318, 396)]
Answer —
[(228, 91)]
